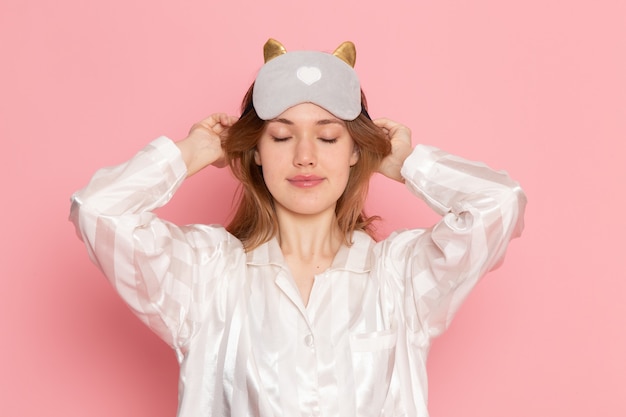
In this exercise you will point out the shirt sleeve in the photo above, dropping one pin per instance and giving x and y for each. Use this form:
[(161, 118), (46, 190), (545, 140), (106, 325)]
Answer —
[(482, 210), (164, 272)]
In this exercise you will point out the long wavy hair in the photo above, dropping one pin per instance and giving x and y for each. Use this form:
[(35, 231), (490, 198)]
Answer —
[(254, 221)]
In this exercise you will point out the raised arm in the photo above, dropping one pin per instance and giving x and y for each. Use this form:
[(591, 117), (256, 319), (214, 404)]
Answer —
[(155, 266), (482, 210)]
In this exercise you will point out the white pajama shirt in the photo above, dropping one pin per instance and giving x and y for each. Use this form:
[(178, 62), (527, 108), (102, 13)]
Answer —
[(246, 343)]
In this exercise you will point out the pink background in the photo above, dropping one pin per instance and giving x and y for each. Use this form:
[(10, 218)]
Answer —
[(536, 87)]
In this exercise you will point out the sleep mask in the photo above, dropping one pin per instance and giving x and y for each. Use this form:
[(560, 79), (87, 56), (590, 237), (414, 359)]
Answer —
[(291, 78)]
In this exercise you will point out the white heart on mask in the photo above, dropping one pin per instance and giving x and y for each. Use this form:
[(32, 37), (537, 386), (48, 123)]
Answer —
[(309, 75)]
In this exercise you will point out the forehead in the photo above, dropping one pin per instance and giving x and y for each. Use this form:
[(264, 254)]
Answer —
[(306, 113)]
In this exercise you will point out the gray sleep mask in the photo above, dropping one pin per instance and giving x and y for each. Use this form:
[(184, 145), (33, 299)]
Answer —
[(291, 78)]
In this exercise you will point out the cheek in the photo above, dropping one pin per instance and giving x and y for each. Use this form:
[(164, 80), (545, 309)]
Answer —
[(272, 174), (340, 160), (341, 173), (268, 173)]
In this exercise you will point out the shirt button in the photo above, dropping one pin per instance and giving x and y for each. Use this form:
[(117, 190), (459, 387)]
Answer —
[(308, 340)]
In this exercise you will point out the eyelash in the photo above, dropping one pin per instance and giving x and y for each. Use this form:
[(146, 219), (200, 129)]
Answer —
[(276, 139)]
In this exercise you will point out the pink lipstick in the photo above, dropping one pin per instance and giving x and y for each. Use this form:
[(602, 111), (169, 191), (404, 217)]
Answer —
[(305, 181)]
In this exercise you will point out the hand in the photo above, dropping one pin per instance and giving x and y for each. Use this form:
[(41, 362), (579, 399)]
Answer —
[(203, 144), (400, 139)]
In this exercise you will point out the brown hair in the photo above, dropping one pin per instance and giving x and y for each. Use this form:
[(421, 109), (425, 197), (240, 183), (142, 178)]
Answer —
[(254, 222)]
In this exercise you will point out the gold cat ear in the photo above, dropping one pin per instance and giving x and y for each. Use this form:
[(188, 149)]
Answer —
[(272, 49), (347, 53)]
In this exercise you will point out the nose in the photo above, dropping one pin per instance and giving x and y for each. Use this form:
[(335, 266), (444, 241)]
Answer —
[(304, 153)]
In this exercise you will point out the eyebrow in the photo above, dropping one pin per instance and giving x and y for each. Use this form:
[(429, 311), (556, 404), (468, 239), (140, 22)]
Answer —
[(321, 122)]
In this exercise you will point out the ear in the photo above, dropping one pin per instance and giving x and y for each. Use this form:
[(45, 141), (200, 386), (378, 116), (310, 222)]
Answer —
[(272, 49), (257, 157), (356, 153), (347, 53)]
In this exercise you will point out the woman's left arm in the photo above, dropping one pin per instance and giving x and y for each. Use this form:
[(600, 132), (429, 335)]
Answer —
[(482, 210)]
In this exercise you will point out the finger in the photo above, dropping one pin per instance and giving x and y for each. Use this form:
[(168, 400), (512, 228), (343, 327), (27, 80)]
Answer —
[(388, 126), (392, 128), (385, 123), (225, 122), (228, 120), (215, 119), (212, 120), (206, 123)]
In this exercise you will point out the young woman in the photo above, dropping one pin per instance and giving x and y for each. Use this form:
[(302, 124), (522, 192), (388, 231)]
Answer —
[(294, 309)]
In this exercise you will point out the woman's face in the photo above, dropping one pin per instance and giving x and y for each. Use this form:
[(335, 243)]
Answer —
[(305, 154)]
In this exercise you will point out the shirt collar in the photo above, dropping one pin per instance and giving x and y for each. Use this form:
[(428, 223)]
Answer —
[(356, 258)]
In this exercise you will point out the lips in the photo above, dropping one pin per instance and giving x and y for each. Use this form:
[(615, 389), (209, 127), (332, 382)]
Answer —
[(305, 181)]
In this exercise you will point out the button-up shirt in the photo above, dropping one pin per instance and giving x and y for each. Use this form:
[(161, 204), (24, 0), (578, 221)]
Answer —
[(246, 343)]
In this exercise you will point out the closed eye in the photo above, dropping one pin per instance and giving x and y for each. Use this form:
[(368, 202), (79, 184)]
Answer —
[(328, 140), (280, 139)]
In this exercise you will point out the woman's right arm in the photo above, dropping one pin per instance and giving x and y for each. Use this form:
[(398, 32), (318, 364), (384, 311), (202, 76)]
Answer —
[(157, 267)]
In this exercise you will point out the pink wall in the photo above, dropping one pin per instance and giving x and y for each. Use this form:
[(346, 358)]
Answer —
[(535, 87)]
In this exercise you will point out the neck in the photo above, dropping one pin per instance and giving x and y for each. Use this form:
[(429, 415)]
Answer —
[(309, 237)]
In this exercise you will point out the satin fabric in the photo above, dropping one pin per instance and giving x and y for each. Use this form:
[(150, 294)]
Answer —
[(246, 344)]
